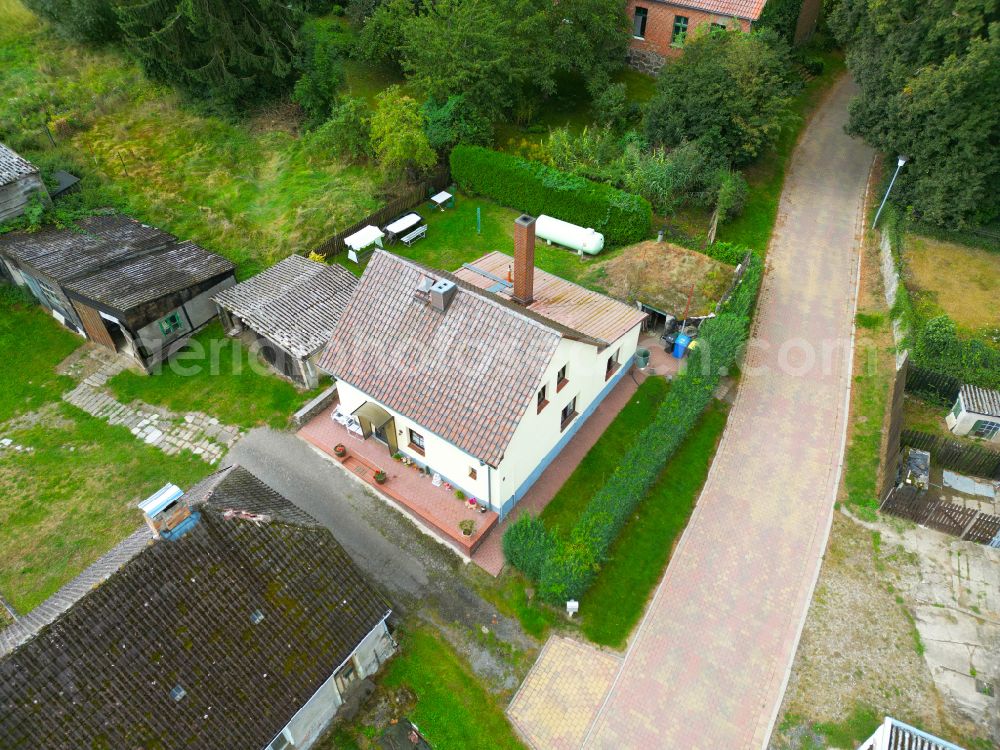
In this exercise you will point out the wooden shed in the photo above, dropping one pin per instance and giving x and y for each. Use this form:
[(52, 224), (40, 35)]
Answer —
[(125, 285), (19, 180)]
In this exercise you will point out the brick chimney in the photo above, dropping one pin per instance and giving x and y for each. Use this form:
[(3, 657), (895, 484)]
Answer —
[(524, 259)]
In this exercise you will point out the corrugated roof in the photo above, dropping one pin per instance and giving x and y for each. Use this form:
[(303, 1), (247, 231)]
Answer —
[(295, 303), (981, 400), (467, 374), (115, 260), (562, 301), (13, 166), (747, 9), (178, 613)]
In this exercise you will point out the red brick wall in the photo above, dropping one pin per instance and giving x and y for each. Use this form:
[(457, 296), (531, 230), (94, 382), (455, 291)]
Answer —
[(660, 25)]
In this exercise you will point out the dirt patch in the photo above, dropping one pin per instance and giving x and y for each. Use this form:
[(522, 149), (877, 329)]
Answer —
[(962, 281), (665, 275), (283, 116)]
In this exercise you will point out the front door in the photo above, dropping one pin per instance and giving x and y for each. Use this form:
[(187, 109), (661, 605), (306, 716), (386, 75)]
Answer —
[(380, 434)]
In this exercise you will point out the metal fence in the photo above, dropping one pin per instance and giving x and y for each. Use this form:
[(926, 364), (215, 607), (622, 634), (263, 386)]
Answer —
[(413, 196), (950, 454)]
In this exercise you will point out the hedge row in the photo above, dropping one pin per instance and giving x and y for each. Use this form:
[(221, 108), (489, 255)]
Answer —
[(539, 189), (570, 564)]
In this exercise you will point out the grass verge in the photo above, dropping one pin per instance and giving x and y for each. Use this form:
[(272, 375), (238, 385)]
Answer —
[(614, 604), (766, 175), (565, 508), (219, 376), (453, 710)]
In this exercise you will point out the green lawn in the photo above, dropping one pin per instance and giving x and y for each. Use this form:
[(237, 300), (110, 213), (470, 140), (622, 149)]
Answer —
[(637, 559), (565, 508), (72, 497), (219, 376), (453, 710), (452, 240), (31, 345), (766, 175)]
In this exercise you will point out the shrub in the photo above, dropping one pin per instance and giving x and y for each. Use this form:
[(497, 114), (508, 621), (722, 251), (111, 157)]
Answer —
[(937, 346), (526, 545), (814, 66), (398, 137), (536, 188), (454, 122), (570, 564), (322, 64), (459, 494), (345, 135), (611, 106)]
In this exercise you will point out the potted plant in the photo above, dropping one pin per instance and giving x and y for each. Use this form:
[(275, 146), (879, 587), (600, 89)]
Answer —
[(380, 477), (340, 450), (468, 526), (397, 456), (459, 494)]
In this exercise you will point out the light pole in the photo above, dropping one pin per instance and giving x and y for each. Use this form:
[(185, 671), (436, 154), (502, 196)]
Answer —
[(899, 165)]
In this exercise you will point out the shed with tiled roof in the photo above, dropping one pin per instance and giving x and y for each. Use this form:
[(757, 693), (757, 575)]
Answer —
[(244, 632), (291, 309)]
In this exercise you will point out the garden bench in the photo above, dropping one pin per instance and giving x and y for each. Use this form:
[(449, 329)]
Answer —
[(415, 235)]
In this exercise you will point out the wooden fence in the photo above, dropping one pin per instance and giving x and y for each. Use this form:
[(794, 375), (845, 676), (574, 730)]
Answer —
[(969, 524), (413, 196), (933, 385), (956, 456)]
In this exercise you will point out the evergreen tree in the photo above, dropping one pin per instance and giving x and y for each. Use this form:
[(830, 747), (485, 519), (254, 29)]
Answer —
[(231, 53), (92, 21)]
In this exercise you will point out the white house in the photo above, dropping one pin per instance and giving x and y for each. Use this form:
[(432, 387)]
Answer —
[(895, 735), (242, 626), (482, 375), (976, 413)]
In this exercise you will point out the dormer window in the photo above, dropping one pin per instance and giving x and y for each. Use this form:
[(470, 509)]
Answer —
[(561, 378)]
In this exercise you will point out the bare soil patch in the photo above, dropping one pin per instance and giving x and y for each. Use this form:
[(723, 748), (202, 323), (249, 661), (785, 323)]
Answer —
[(664, 275)]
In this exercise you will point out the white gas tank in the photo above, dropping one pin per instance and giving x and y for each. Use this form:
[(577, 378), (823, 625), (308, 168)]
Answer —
[(584, 240)]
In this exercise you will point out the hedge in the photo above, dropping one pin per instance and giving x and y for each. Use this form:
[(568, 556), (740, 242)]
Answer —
[(572, 563), (539, 189)]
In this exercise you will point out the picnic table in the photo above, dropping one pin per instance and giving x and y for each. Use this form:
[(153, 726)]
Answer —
[(443, 200)]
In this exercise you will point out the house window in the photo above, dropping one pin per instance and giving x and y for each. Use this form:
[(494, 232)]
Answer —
[(542, 398), (717, 26), (472, 472), (639, 23), (561, 378), (568, 414), (416, 442), (986, 428), (612, 366), (957, 408), (680, 30), (171, 323)]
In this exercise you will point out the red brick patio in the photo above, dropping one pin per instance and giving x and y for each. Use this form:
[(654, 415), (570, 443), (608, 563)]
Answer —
[(435, 507)]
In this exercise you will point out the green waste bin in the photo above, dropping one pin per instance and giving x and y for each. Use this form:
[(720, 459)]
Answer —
[(641, 357)]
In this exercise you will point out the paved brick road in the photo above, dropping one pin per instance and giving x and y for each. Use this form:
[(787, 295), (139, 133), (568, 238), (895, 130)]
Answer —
[(708, 665)]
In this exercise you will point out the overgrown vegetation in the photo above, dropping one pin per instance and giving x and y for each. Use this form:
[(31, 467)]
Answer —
[(926, 74)]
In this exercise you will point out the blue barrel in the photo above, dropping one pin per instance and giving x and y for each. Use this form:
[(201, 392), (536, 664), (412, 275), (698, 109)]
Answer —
[(681, 345)]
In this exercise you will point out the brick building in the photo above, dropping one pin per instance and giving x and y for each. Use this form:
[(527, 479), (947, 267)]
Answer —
[(659, 28)]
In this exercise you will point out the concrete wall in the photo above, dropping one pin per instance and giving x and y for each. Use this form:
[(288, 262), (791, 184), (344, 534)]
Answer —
[(15, 196)]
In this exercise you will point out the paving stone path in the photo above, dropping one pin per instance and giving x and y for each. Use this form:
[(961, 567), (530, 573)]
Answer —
[(709, 662), (172, 433)]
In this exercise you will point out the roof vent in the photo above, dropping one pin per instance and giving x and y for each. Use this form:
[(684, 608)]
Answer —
[(442, 293), (167, 513), (423, 291), (256, 617), (177, 693)]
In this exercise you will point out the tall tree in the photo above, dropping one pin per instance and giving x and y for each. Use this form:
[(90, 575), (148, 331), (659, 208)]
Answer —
[(227, 51), (398, 138), (590, 37), (928, 74), (729, 92), (92, 21)]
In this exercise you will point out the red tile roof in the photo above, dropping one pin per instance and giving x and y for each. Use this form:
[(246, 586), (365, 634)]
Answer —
[(466, 374), (748, 9), (562, 301)]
